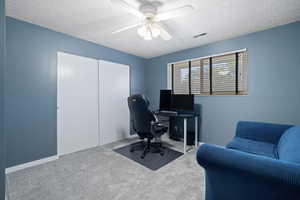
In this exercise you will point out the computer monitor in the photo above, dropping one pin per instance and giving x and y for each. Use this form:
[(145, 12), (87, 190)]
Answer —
[(182, 102), (165, 100)]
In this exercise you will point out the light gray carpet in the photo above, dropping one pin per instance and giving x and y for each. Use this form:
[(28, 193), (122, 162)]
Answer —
[(101, 174)]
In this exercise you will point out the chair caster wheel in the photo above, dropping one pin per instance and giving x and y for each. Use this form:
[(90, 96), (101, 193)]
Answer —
[(162, 153), (142, 156), (131, 150)]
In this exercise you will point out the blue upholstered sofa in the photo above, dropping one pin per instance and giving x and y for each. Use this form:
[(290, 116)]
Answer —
[(262, 162)]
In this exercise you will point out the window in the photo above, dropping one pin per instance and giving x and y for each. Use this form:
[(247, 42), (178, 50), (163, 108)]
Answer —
[(217, 75)]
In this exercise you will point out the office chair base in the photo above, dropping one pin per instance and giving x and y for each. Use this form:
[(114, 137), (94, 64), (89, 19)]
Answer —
[(148, 147), (137, 146)]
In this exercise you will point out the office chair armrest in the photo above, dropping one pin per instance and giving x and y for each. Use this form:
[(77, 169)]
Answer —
[(161, 121), (158, 123), (157, 127)]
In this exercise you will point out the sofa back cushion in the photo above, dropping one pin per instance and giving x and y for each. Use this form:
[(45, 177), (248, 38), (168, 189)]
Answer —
[(289, 145)]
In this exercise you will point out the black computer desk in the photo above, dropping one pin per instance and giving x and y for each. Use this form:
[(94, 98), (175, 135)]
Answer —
[(185, 116)]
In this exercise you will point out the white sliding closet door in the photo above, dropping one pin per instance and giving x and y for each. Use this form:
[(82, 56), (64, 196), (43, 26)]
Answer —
[(78, 103), (114, 88)]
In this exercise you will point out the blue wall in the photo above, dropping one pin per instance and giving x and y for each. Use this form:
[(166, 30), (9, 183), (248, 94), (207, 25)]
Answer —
[(31, 85), (274, 69), (2, 67)]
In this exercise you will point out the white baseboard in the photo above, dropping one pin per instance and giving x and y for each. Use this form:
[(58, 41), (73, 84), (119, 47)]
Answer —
[(30, 164)]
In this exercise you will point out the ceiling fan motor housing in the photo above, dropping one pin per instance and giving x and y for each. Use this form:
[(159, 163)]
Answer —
[(149, 10)]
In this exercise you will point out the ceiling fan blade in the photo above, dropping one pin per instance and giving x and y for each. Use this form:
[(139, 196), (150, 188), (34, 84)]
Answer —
[(164, 34), (181, 11), (128, 8), (127, 28)]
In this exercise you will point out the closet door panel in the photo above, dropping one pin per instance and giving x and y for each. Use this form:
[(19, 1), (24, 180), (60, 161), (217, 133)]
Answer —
[(78, 103), (114, 85)]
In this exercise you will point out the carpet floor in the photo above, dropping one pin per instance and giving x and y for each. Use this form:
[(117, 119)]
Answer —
[(102, 174)]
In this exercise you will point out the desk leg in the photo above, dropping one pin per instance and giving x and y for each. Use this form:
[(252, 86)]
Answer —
[(196, 132), (185, 135)]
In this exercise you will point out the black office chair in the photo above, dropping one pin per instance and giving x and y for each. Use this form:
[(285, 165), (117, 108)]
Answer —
[(146, 125)]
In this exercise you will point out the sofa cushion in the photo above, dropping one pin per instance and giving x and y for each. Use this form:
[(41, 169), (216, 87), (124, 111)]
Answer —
[(254, 147), (289, 145)]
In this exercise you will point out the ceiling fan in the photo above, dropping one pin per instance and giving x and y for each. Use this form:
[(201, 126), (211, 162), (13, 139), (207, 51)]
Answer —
[(150, 25)]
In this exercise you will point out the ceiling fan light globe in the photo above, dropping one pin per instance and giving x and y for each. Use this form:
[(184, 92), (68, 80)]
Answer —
[(155, 31), (147, 37), (142, 31)]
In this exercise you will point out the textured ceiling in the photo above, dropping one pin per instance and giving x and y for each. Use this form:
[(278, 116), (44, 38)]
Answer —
[(94, 20)]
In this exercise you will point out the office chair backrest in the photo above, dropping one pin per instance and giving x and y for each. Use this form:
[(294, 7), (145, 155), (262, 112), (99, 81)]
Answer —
[(140, 114)]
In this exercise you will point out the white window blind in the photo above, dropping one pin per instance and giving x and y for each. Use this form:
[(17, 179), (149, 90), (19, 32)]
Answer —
[(195, 76), (223, 74), (200, 76), (216, 75), (242, 85), (181, 78)]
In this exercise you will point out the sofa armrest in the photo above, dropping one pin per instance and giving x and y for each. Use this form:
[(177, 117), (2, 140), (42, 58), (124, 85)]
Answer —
[(263, 132), (259, 166)]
